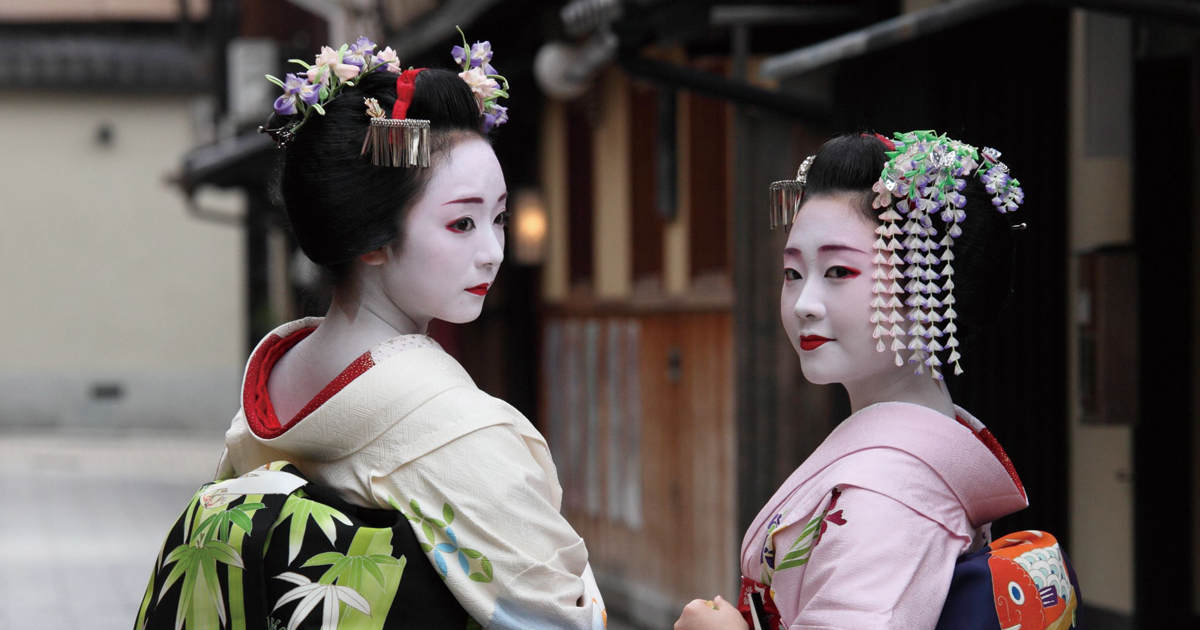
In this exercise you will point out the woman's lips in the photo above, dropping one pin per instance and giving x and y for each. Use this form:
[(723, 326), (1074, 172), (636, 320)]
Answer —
[(812, 342), (480, 289)]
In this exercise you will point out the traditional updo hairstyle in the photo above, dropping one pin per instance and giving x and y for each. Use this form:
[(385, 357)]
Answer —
[(849, 165), (339, 204)]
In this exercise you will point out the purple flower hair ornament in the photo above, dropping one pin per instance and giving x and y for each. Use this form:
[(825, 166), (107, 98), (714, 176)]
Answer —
[(296, 89), (361, 53), (323, 80), (498, 116), (486, 85), (924, 177)]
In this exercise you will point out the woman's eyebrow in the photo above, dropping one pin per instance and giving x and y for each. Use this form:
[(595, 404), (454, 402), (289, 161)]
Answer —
[(474, 200), (465, 200), (838, 247)]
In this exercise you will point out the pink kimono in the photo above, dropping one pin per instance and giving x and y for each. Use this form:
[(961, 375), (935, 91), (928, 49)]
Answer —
[(866, 532)]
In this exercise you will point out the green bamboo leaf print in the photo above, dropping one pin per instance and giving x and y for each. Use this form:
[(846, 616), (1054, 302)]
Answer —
[(447, 514), (301, 510), (428, 529), (190, 513), (224, 553), (183, 555), (323, 515), (336, 571), (185, 597), (347, 572), (380, 558), (221, 521), (479, 577), (416, 508), (371, 553), (329, 557), (471, 553), (239, 518), (208, 565), (298, 525), (206, 527), (176, 553), (195, 562), (371, 566)]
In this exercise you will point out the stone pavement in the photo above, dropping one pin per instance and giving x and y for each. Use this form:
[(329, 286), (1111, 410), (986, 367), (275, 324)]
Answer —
[(82, 517)]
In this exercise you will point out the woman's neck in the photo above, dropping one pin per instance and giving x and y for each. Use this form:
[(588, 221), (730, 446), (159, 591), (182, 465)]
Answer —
[(901, 385), (358, 320)]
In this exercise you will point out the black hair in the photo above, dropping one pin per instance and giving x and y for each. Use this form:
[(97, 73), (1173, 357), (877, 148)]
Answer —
[(340, 205), (850, 164)]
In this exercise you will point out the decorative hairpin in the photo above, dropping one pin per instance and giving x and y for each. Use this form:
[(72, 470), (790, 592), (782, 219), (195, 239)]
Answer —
[(395, 141), (924, 177), (787, 194)]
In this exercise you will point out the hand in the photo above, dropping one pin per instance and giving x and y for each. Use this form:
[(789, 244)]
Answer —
[(718, 614)]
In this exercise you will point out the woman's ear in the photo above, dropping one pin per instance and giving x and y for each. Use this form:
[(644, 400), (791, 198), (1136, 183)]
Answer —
[(376, 258)]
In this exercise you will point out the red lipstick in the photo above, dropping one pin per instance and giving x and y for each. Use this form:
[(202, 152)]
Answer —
[(479, 289), (811, 342)]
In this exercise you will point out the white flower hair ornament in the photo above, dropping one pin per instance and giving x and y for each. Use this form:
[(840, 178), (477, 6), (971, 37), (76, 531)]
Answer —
[(924, 177), (394, 141)]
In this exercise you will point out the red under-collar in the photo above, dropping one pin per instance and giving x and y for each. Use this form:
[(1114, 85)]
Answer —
[(993, 445), (256, 403)]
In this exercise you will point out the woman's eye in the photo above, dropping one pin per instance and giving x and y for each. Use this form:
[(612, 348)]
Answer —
[(462, 225), (503, 218), (840, 272), (791, 274)]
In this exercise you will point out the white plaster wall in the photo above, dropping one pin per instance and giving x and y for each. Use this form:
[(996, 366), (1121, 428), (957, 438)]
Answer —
[(52, 10), (612, 239), (104, 276)]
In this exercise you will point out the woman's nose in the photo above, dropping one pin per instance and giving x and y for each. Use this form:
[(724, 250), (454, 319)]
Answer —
[(491, 252), (808, 303)]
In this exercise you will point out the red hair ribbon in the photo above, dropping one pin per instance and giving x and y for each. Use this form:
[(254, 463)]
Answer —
[(891, 146), (405, 84)]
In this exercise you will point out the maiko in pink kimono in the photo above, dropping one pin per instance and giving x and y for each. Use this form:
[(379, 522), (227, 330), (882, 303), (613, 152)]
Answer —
[(898, 252)]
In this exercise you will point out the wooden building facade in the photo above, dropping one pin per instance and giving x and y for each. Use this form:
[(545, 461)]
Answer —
[(637, 339)]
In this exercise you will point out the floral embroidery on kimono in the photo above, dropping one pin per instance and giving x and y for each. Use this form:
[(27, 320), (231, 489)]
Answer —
[(810, 536)]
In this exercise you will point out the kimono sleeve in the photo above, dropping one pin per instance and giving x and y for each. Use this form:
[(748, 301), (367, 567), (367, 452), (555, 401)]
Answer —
[(884, 565), (485, 508)]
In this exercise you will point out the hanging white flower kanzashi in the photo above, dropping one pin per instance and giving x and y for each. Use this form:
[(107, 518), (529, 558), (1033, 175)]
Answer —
[(923, 178)]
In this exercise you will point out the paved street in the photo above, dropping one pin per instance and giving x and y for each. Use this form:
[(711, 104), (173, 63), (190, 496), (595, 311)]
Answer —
[(82, 517)]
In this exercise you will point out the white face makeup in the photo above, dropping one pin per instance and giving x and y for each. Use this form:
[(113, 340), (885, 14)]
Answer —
[(826, 299), (453, 239)]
